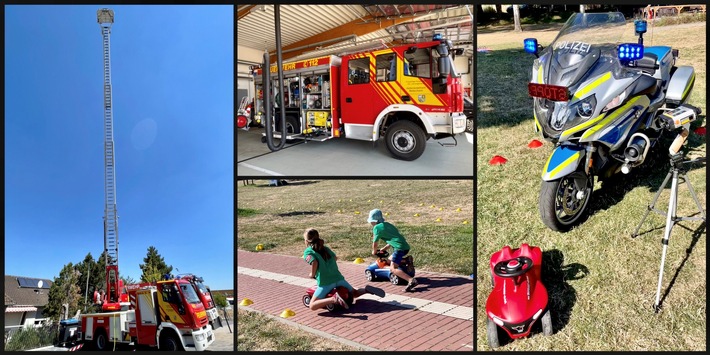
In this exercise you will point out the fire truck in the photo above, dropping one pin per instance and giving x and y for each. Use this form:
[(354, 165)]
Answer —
[(164, 314), (406, 94), (205, 296)]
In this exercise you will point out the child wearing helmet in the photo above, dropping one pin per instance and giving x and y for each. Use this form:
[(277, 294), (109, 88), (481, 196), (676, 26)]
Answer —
[(324, 269), (388, 233)]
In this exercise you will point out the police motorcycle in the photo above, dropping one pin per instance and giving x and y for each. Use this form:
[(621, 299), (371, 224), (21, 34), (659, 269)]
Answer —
[(603, 103)]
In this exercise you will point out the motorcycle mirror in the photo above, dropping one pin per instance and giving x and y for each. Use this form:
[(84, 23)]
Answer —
[(629, 51), (531, 46), (640, 26)]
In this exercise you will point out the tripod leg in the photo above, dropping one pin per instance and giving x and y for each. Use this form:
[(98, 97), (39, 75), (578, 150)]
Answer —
[(652, 205), (695, 197), (670, 221)]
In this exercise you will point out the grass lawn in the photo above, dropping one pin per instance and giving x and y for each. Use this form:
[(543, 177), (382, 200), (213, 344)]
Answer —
[(257, 332), (435, 217), (601, 282)]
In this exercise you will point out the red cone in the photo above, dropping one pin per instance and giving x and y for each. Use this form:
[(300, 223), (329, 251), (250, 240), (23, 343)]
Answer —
[(534, 144), (498, 160), (700, 131)]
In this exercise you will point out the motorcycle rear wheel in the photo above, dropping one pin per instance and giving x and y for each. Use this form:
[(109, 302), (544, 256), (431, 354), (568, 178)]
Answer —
[(560, 209)]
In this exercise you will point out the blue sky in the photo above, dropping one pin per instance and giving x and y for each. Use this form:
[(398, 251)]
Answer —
[(173, 99)]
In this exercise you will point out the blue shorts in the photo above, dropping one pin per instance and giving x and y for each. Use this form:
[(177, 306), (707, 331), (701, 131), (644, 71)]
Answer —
[(322, 291), (398, 255)]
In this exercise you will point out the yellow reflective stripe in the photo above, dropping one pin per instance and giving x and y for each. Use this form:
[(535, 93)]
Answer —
[(537, 124), (539, 75), (591, 86), (687, 88), (564, 164), (583, 126), (611, 117)]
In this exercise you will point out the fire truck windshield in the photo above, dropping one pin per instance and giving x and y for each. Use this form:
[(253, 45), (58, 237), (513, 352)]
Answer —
[(201, 287), (189, 293)]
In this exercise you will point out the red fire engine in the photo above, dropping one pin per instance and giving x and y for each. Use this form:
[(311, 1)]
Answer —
[(406, 94), (164, 314)]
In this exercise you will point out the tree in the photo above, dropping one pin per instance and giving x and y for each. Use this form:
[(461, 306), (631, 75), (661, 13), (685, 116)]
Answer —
[(220, 300), (127, 280), (516, 17), (64, 291), (154, 266)]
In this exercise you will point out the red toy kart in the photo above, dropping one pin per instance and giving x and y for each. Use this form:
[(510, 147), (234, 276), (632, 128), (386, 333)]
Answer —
[(518, 298), (344, 293)]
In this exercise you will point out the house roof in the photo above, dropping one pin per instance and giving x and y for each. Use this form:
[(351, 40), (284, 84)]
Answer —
[(15, 294)]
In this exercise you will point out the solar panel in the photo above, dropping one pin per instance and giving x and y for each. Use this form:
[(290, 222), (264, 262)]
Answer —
[(32, 283)]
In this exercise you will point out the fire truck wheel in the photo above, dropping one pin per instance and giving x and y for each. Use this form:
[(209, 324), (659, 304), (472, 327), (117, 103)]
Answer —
[(292, 125), (405, 140), (100, 341), (169, 342)]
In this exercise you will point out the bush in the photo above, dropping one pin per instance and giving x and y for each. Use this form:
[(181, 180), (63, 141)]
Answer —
[(32, 338)]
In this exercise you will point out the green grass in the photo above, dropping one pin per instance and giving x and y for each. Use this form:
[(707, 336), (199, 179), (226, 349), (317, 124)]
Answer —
[(246, 212), (257, 332), (602, 283), (338, 209)]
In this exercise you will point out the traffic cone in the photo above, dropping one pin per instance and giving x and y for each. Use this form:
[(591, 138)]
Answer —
[(497, 160), (534, 144), (359, 261), (287, 313), (259, 247), (246, 302)]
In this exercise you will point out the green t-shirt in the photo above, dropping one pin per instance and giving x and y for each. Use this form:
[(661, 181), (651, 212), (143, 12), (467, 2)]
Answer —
[(327, 272), (387, 232)]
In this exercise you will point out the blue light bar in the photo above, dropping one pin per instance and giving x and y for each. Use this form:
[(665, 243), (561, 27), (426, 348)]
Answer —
[(630, 51), (437, 37), (640, 26), (530, 45)]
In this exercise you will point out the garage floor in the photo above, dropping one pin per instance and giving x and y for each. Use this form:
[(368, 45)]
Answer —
[(347, 157)]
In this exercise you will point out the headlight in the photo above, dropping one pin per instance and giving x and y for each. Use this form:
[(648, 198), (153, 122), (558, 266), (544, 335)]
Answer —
[(585, 107), (199, 337)]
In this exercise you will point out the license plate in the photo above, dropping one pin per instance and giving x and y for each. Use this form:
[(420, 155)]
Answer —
[(550, 92)]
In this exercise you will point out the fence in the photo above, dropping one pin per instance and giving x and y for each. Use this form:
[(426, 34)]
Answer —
[(20, 338), (651, 12)]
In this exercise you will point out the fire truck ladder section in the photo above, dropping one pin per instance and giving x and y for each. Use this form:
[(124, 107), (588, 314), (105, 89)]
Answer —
[(105, 19)]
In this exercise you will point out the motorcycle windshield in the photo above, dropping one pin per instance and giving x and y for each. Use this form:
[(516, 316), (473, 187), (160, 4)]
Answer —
[(584, 48), (581, 42)]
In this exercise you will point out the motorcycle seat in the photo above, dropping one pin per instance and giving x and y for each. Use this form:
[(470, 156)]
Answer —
[(647, 63), (645, 85)]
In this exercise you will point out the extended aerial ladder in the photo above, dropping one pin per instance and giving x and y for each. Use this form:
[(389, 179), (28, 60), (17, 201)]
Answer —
[(105, 20)]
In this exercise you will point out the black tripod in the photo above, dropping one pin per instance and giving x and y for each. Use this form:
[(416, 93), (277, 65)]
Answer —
[(677, 171)]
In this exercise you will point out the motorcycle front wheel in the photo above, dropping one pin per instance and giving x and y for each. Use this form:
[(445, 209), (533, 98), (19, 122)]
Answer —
[(562, 205)]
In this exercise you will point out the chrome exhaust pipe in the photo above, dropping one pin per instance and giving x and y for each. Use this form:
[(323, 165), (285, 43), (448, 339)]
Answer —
[(635, 151)]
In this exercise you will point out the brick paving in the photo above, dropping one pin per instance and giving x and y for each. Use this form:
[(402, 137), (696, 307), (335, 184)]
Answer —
[(369, 322)]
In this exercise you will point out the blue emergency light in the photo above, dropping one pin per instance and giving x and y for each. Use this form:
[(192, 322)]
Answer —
[(640, 26), (530, 45), (630, 51), (437, 37)]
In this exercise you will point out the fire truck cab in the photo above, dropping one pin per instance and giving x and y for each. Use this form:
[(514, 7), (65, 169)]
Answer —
[(406, 94), (167, 314), (205, 297)]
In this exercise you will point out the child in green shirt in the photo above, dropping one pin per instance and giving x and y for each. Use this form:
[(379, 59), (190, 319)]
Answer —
[(324, 269), (388, 233)]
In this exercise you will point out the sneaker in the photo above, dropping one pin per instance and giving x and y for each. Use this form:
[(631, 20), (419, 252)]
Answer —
[(413, 282), (340, 301), (375, 291)]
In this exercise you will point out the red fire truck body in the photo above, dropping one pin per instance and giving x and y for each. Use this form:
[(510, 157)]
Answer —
[(166, 314), (407, 94)]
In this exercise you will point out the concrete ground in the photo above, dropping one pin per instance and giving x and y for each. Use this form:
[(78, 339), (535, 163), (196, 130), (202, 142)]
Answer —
[(437, 316), (348, 157)]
